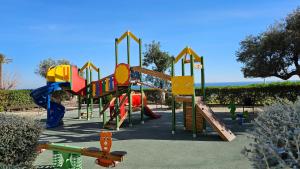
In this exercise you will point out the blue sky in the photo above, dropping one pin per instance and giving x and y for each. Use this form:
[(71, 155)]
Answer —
[(33, 30)]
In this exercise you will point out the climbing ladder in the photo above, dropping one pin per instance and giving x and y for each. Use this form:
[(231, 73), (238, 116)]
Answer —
[(208, 114), (203, 112), (114, 122)]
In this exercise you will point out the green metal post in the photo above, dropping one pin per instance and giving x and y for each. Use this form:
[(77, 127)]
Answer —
[(141, 86), (129, 88), (117, 109), (203, 87), (116, 50), (87, 92), (193, 99), (117, 94), (79, 103), (91, 93), (202, 78), (100, 98), (79, 106), (173, 100), (184, 104)]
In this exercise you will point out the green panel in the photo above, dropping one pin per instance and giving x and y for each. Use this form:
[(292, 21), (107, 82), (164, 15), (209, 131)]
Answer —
[(103, 86)]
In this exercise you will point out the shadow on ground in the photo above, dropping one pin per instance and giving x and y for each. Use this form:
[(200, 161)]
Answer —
[(75, 130), (44, 167)]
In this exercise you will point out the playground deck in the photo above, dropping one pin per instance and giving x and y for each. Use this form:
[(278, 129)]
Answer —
[(152, 145)]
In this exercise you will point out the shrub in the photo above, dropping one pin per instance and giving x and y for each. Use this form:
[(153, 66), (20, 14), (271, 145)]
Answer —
[(61, 95), (277, 136), (18, 140), (169, 103), (153, 95), (14, 98), (107, 99)]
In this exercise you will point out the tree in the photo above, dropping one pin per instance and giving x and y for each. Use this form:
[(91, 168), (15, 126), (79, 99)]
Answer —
[(3, 59), (44, 65), (159, 61), (10, 81), (155, 57), (274, 52)]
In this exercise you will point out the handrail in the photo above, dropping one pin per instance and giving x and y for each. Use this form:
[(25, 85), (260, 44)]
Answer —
[(152, 73)]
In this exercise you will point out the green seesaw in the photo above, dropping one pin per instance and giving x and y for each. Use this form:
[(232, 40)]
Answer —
[(69, 157)]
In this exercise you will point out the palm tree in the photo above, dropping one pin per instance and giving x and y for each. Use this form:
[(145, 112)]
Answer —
[(3, 59)]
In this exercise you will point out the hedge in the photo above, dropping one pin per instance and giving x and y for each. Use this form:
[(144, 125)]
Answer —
[(260, 93), (14, 98)]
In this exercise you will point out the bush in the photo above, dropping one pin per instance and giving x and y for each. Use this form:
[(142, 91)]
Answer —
[(152, 95), (18, 140), (61, 95), (107, 99), (277, 136), (169, 103), (14, 98)]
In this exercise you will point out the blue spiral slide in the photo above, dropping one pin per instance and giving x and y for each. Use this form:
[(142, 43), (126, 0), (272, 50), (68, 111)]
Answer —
[(55, 111)]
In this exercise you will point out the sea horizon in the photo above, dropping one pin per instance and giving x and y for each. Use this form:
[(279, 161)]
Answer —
[(217, 84)]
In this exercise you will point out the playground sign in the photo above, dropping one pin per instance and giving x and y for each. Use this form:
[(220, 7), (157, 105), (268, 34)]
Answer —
[(198, 66)]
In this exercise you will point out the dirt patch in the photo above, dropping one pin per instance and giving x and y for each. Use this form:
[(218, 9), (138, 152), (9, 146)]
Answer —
[(35, 113)]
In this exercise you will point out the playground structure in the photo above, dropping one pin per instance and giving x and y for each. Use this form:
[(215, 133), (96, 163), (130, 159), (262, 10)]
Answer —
[(120, 84), (66, 157)]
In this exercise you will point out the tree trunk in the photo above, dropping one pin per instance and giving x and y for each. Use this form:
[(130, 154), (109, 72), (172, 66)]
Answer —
[(163, 97), (1, 76)]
